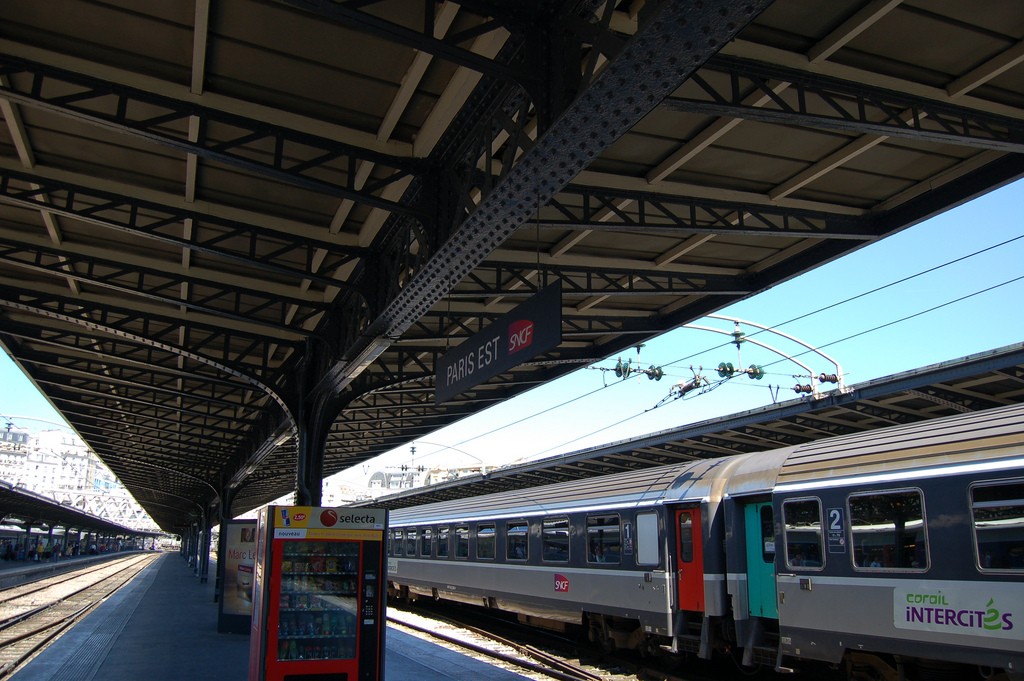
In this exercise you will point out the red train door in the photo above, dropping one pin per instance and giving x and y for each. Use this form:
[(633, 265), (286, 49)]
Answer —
[(689, 560)]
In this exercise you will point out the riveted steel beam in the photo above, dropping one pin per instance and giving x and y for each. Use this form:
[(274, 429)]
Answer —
[(74, 345), (111, 322), (246, 305), (291, 156), (214, 236), (601, 208), (817, 101), (447, 47), (495, 279), (668, 48)]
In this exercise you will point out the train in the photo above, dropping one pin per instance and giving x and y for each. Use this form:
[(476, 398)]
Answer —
[(895, 554)]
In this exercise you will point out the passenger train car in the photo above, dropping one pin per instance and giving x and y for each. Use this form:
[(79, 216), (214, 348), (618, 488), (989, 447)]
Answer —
[(893, 554)]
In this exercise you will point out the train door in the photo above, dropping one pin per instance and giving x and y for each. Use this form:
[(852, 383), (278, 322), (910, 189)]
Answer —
[(760, 534), (690, 560)]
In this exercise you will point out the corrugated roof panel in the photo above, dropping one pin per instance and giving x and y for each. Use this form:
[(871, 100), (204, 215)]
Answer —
[(998, 433)]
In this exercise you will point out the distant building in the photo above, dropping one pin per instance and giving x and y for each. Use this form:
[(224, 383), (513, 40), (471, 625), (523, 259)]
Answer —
[(58, 464), (13, 437)]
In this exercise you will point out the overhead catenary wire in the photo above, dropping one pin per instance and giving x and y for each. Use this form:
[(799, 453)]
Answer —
[(716, 384), (723, 381)]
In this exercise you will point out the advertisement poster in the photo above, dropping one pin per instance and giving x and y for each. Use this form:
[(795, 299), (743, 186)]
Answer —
[(237, 572)]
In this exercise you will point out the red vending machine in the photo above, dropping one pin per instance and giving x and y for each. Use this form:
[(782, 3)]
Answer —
[(319, 595)]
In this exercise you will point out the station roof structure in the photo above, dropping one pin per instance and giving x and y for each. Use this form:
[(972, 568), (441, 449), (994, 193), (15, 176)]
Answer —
[(237, 237), (26, 508), (982, 381)]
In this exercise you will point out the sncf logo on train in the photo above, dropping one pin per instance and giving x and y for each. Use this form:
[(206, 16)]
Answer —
[(561, 583)]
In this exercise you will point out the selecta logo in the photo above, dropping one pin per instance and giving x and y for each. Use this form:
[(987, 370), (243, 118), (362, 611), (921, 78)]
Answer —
[(562, 583), (520, 335)]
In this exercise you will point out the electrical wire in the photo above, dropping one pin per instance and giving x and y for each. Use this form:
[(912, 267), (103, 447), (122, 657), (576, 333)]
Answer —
[(864, 294), (835, 342), (776, 326)]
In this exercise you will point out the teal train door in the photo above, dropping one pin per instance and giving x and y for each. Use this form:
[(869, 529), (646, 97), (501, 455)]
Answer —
[(760, 531)]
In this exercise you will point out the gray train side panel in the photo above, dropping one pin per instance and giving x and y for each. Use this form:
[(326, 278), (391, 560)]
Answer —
[(558, 593)]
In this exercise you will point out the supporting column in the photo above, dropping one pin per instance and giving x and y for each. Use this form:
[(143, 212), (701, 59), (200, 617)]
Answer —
[(310, 468), (314, 425), (193, 552), (227, 497), (204, 558)]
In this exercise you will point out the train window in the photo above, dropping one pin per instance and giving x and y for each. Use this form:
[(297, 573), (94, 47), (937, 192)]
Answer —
[(517, 535), (425, 542), (462, 542), (998, 511), (767, 534), (485, 541), (442, 542), (555, 540), (410, 542), (889, 530), (686, 538), (399, 542), (802, 520), (604, 539), (648, 547)]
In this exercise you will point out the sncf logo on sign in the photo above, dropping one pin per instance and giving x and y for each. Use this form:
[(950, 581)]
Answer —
[(520, 335), (529, 329), (562, 583)]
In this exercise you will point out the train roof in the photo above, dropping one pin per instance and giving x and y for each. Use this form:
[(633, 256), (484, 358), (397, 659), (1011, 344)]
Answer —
[(693, 480), (992, 438)]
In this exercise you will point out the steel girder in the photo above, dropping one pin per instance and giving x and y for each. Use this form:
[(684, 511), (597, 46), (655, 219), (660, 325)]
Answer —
[(599, 208), (212, 235), (205, 296), (116, 354), (996, 173), (350, 13), (679, 36), (814, 100), (228, 350), (550, 39), (300, 159), (145, 383), (618, 281), (674, 43), (450, 325)]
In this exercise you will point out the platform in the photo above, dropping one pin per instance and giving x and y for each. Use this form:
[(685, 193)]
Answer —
[(163, 627)]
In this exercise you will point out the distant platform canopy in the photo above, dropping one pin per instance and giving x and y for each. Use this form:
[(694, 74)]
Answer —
[(974, 383), (30, 510)]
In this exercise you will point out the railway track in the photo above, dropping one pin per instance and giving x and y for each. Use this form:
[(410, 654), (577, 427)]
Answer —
[(557, 657), (527, 660), (34, 614)]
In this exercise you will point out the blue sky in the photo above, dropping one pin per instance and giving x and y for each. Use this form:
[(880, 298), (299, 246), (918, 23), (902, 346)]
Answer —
[(943, 289)]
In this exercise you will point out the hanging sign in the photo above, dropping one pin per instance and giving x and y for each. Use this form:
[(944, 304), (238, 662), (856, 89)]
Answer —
[(525, 332)]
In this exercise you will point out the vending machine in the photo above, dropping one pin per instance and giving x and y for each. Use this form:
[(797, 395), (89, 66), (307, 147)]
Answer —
[(319, 595)]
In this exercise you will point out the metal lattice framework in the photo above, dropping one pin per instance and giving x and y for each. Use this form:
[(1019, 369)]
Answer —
[(236, 236)]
